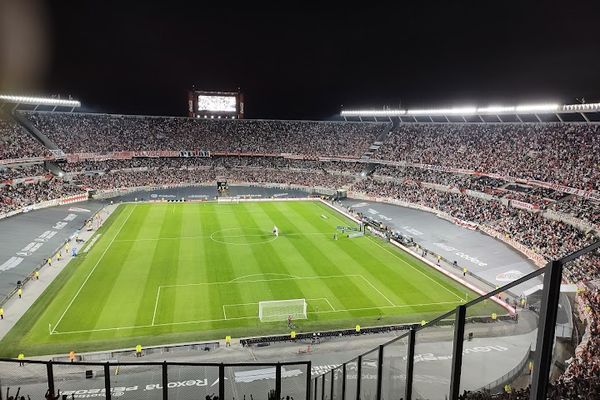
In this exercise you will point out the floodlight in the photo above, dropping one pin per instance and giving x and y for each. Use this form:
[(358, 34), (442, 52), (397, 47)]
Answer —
[(495, 109), (372, 113), (47, 101), (444, 111), (582, 107), (537, 107)]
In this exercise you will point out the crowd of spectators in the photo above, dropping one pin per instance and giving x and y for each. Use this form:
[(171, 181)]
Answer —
[(169, 176), (82, 133), (583, 209), (15, 142), (567, 154), (549, 238), (23, 195), (581, 380), (21, 171), (227, 162), (579, 207)]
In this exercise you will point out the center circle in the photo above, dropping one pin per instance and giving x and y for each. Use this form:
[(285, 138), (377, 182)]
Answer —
[(243, 236)]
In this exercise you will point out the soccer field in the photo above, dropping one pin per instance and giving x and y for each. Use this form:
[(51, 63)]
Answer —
[(176, 272)]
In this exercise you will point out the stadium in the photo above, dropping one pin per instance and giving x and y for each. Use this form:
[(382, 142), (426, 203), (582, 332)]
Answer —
[(382, 253)]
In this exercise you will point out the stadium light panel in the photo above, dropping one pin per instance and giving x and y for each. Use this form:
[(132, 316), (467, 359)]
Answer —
[(540, 108), (46, 101), (495, 109), (444, 111), (582, 107), (372, 113), (537, 107)]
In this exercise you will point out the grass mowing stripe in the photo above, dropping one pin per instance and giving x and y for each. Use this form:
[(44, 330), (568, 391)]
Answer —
[(416, 269), (270, 255), (164, 261), (320, 250), (92, 271)]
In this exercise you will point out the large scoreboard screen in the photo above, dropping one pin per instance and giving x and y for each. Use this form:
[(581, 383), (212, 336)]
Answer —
[(205, 104)]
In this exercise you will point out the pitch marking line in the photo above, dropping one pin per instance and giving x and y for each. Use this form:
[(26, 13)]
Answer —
[(267, 273), (378, 291), (226, 237), (92, 271), (264, 280), (327, 300), (156, 305), (288, 278), (256, 303), (243, 318), (416, 269)]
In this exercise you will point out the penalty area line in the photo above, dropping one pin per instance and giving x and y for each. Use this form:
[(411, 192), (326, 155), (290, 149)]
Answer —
[(250, 317), (378, 291)]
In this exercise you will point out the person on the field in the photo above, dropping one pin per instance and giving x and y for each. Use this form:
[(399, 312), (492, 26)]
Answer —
[(275, 230)]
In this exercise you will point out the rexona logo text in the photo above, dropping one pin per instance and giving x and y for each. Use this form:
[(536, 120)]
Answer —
[(509, 276)]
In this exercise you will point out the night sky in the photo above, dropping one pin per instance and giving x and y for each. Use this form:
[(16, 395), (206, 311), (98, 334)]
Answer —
[(300, 62)]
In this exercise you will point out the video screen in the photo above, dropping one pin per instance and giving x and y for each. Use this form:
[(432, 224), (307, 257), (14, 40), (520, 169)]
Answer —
[(217, 103)]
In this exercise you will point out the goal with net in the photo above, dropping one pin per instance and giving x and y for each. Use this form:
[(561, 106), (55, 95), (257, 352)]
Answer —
[(281, 310)]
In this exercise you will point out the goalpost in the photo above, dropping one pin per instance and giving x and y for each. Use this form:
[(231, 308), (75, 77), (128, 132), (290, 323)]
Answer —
[(281, 310)]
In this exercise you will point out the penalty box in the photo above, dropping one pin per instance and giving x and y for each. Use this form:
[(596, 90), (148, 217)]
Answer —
[(238, 299)]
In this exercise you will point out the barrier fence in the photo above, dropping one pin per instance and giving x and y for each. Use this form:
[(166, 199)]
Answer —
[(156, 380)]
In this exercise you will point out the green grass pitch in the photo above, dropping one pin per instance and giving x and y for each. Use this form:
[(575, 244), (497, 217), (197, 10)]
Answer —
[(177, 272)]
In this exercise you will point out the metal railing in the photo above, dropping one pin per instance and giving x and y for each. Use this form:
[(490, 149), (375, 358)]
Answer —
[(161, 380)]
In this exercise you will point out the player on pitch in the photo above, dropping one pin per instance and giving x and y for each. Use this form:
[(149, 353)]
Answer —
[(275, 230)]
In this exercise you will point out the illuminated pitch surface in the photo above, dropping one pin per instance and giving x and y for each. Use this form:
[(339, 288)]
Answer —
[(177, 272)]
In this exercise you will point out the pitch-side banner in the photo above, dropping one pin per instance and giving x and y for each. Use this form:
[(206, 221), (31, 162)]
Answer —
[(524, 206)]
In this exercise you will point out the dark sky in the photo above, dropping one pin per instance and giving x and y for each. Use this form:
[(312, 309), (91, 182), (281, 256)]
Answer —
[(306, 62)]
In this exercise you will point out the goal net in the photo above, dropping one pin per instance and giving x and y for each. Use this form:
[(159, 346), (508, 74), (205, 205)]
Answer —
[(281, 310)]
